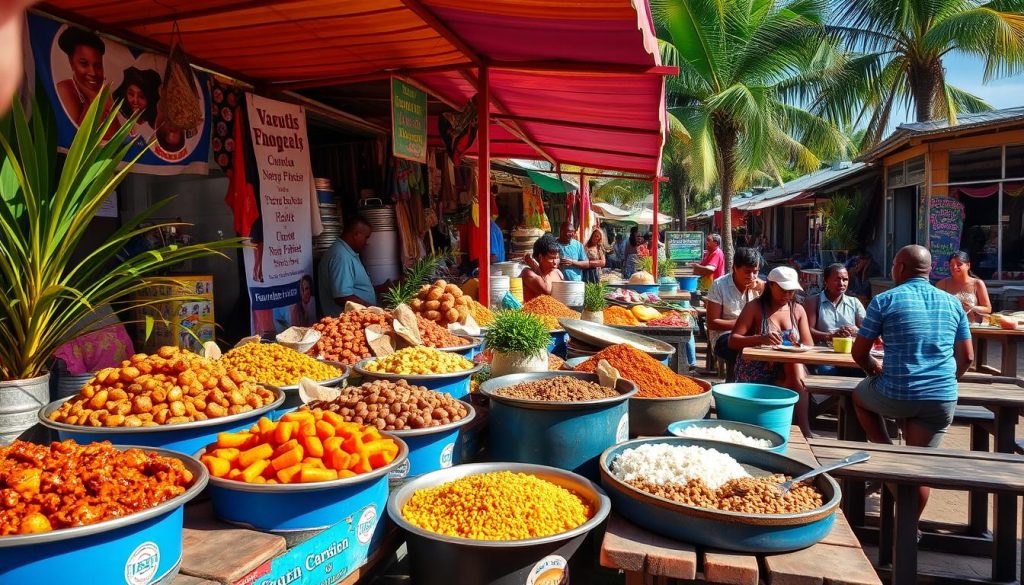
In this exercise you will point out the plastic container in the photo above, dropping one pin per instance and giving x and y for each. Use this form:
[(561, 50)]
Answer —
[(144, 547), (736, 531), (184, 437), (298, 507), (668, 288), (455, 384), (430, 449), (687, 283), (566, 435), (557, 344), (499, 285), (568, 292), (468, 350), (640, 288), (652, 416), (777, 440), (435, 559), (515, 286), (842, 344), (763, 405)]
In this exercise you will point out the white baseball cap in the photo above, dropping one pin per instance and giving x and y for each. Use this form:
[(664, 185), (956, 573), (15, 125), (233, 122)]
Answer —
[(785, 277)]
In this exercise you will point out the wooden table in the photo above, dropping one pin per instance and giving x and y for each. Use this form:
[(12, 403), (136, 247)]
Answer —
[(1009, 339), (648, 558), (816, 356)]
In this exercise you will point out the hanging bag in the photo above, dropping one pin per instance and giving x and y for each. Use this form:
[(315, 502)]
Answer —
[(181, 105)]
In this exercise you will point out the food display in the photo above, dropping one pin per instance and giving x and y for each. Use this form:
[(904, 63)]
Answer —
[(442, 303), (558, 389), (641, 277), (549, 310), (616, 315), (653, 379), (625, 295), (169, 387), (499, 505), (394, 406), (275, 364), (61, 485), (304, 446), (706, 478), (419, 361), (645, 313), (672, 319), (481, 314), (720, 433), (343, 338), (433, 335)]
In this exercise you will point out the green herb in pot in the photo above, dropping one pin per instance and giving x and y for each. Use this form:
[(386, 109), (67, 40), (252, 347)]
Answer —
[(517, 332), (594, 294)]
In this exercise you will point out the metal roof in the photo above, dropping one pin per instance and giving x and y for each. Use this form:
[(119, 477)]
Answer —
[(792, 189), (973, 121)]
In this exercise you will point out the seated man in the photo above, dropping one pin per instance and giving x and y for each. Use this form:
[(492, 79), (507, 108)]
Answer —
[(927, 349), (726, 299), (543, 267)]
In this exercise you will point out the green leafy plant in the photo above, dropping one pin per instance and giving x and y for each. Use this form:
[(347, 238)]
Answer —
[(517, 332), (416, 275), (594, 294), (840, 214), (666, 267), (47, 297), (644, 263)]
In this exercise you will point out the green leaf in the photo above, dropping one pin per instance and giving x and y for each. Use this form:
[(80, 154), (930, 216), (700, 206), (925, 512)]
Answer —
[(149, 325)]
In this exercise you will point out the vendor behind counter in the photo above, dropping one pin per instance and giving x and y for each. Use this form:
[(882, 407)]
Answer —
[(341, 275)]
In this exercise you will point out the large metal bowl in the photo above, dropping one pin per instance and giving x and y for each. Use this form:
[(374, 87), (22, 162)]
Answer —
[(466, 350), (144, 545), (651, 416), (602, 336), (437, 559), (754, 533), (184, 437), (291, 391), (456, 383), (778, 442)]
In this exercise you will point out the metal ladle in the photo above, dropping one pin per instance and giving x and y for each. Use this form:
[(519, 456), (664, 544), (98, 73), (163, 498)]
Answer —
[(851, 459)]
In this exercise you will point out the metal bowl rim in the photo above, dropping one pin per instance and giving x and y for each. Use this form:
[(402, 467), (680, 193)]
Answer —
[(358, 368), (434, 478), (200, 478), (471, 410), (345, 372), (726, 423), (263, 488), (476, 342), (825, 509), (81, 429), (666, 348), (488, 389)]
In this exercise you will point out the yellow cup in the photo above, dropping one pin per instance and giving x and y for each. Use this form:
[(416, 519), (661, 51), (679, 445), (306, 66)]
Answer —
[(842, 344)]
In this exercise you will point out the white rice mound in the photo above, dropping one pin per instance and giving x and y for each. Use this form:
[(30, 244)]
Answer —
[(720, 433), (661, 463)]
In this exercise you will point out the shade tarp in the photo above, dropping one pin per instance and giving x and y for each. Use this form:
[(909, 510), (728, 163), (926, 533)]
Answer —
[(574, 84), (644, 216)]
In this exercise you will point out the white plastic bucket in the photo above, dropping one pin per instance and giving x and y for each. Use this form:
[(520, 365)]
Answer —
[(568, 292), (498, 288)]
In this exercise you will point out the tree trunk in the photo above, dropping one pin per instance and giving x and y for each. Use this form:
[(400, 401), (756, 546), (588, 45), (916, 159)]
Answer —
[(924, 85), (725, 139)]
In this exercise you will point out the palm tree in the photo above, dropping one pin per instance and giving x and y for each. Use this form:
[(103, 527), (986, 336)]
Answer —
[(741, 62), (901, 45)]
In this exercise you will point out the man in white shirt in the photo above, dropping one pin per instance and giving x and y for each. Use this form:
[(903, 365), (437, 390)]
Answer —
[(727, 297)]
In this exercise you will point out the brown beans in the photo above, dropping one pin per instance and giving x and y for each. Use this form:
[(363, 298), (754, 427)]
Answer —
[(394, 406), (558, 389), (748, 495)]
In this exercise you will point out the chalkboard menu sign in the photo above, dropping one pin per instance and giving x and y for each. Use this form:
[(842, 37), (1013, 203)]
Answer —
[(945, 224), (685, 246)]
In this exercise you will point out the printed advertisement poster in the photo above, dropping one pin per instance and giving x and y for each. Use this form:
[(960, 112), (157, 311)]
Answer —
[(279, 264), (72, 64)]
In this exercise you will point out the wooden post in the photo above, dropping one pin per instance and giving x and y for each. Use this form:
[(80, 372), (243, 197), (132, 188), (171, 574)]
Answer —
[(483, 231)]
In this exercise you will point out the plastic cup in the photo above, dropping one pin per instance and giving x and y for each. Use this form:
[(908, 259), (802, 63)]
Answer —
[(842, 344)]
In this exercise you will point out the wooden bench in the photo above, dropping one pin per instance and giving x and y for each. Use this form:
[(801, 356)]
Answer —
[(910, 467), (648, 558)]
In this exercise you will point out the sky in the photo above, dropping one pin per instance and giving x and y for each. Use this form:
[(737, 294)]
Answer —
[(966, 72)]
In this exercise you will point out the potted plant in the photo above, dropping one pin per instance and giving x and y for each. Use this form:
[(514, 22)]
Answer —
[(518, 343), (47, 294), (839, 216), (594, 301)]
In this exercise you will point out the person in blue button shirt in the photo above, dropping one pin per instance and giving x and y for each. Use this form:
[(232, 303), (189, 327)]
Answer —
[(341, 275), (574, 257), (927, 349)]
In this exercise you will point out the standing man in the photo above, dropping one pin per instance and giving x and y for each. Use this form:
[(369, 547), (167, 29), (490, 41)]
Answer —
[(573, 258), (927, 349), (341, 275), (497, 243), (728, 295), (712, 266)]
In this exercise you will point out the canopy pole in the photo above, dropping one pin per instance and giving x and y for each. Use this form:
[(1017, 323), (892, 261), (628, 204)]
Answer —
[(654, 230), (483, 189), (584, 237)]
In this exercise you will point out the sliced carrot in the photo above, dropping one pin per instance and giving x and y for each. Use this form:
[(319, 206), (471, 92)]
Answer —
[(261, 452), (235, 474), (289, 474), (265, 424), (287, 459), (227, 453), (253, 471), (332, 444), (284, 431), (311, 474), (380, 459), (225, 440), (313, 446), (343, 473), (285, 447), (218, 467), (298, 416), (337, 460), (332, 418), (314, 462), (324, 430)]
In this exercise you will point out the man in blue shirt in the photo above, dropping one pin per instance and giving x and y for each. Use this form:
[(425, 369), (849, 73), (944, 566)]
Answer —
[(927, 349), (497, 243), (574, 257), (341, 275)]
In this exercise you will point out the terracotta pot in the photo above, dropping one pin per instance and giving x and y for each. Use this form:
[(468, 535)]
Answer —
[(515, 362)]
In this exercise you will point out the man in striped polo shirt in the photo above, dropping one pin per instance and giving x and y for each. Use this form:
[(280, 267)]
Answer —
[(927, 349)]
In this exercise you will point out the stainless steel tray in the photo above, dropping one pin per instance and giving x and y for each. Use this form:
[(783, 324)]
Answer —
[(602, 336)]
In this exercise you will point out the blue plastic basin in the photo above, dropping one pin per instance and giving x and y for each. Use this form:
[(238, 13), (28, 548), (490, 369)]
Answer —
[(298, 507), (431, 448), (778, 441), (687, 283), (456, 384), (566, 435), (763, 405), (640, 288), (557, 344)]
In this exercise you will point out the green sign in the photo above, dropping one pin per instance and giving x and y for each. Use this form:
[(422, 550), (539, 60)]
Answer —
[(685, 246), (408, 121)]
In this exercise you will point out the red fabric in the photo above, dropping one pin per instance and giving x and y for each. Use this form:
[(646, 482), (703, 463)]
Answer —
[(716, 259), (241, 197), (980, 192)]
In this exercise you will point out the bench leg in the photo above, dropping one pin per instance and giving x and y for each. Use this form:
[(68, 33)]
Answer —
[(1009, 366), (980, 353), (1004, 513), (977, 502), (885, 527), (904, 563)]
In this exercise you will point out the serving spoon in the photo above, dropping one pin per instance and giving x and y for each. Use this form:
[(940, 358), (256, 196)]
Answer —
[(851, 459)]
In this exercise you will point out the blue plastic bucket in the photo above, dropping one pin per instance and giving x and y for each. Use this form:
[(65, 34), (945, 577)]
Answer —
[(557, 344), (299, 507), (455, 385), (640, 288), (183, 437), (566, 435), (468, 350), (431, 448), (144, 547), (763, 405), (687, 283)]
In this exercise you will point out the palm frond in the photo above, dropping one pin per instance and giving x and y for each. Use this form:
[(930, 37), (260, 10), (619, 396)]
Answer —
[(993, 31)]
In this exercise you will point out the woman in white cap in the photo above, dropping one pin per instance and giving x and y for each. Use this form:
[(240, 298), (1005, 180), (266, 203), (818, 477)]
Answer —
[(775, 319)]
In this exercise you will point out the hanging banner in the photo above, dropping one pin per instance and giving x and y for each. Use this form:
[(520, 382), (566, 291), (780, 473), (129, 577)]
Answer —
[(408, 121), (685, 246), (945, 226), (279, 264), (72, 64)]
